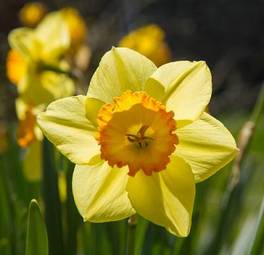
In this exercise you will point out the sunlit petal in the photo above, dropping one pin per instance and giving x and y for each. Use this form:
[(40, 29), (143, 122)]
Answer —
[(99, 192), (65, 124), (206, 145), (187, 88), (165, 198), (120, 69)]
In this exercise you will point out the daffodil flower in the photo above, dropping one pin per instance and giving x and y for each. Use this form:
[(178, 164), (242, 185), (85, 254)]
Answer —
[(76, 26), (35, 62), (140, 139), (79, 53), (29, 137), (32, 13), (148, 40)]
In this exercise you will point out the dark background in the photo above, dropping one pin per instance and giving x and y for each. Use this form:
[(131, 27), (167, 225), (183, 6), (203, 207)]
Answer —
[(226, 34)]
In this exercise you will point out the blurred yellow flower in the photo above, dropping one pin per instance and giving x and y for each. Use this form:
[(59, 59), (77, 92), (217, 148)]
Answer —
[(35, 62), (140, 139), (76, 25), (26, 133), (32, 13), (82, 57), (15, 66), (29, 137), (149, 41)]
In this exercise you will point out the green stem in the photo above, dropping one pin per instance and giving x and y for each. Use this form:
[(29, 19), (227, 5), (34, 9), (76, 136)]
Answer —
[(56, 69), (245, 137), (72, 216), (259, 107), (257, 245), (132, 223), (52, 201)]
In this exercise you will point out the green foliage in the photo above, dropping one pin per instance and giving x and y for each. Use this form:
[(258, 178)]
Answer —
[(37, 238), (224, 222)]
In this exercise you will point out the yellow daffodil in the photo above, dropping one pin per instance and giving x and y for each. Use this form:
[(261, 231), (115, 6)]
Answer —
[(79, 53), (76, 25), (29, 137), (15, 66), (149, 41), (32, 13), (140, 139), (35, 61)]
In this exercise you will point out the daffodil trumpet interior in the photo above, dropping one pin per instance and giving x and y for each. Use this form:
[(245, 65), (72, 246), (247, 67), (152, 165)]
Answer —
[(140, 139), (136, 131)]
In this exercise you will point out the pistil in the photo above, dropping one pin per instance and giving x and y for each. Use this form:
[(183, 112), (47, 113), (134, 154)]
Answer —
[(140, 138)]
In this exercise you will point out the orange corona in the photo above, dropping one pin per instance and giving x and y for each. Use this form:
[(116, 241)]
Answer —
[(136, 131)]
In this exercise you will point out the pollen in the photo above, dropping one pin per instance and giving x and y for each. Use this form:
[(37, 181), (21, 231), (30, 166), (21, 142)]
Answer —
[(135, 130)]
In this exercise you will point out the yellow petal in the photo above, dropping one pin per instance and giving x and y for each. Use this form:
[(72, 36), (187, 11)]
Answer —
[(59, 85), (53, 35), (155, 89), (44, 88), (206, 145), (120, 69), (93, 105), (22, 107), (149, 41), (187, 88), (165, 198), (99, 192), (31, 13), (23, 41), (65, 124), (76, 25), (16, 66), (31, 90), (32, 162)]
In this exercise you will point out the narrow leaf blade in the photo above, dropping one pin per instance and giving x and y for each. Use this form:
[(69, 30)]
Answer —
[(37, 238)]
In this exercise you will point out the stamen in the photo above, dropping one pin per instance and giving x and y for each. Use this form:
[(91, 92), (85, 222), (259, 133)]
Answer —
[(140, 138)]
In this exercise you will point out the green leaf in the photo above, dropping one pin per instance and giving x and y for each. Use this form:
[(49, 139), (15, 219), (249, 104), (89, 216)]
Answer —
[(37, 238), (53, 210), (257, 242)]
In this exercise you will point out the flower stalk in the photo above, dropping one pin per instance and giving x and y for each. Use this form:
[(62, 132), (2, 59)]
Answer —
[(51, 201), (131, 234), (56, 69)]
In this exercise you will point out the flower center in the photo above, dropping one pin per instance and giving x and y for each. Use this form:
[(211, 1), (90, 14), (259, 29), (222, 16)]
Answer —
[(136, 131), (140, 138)]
